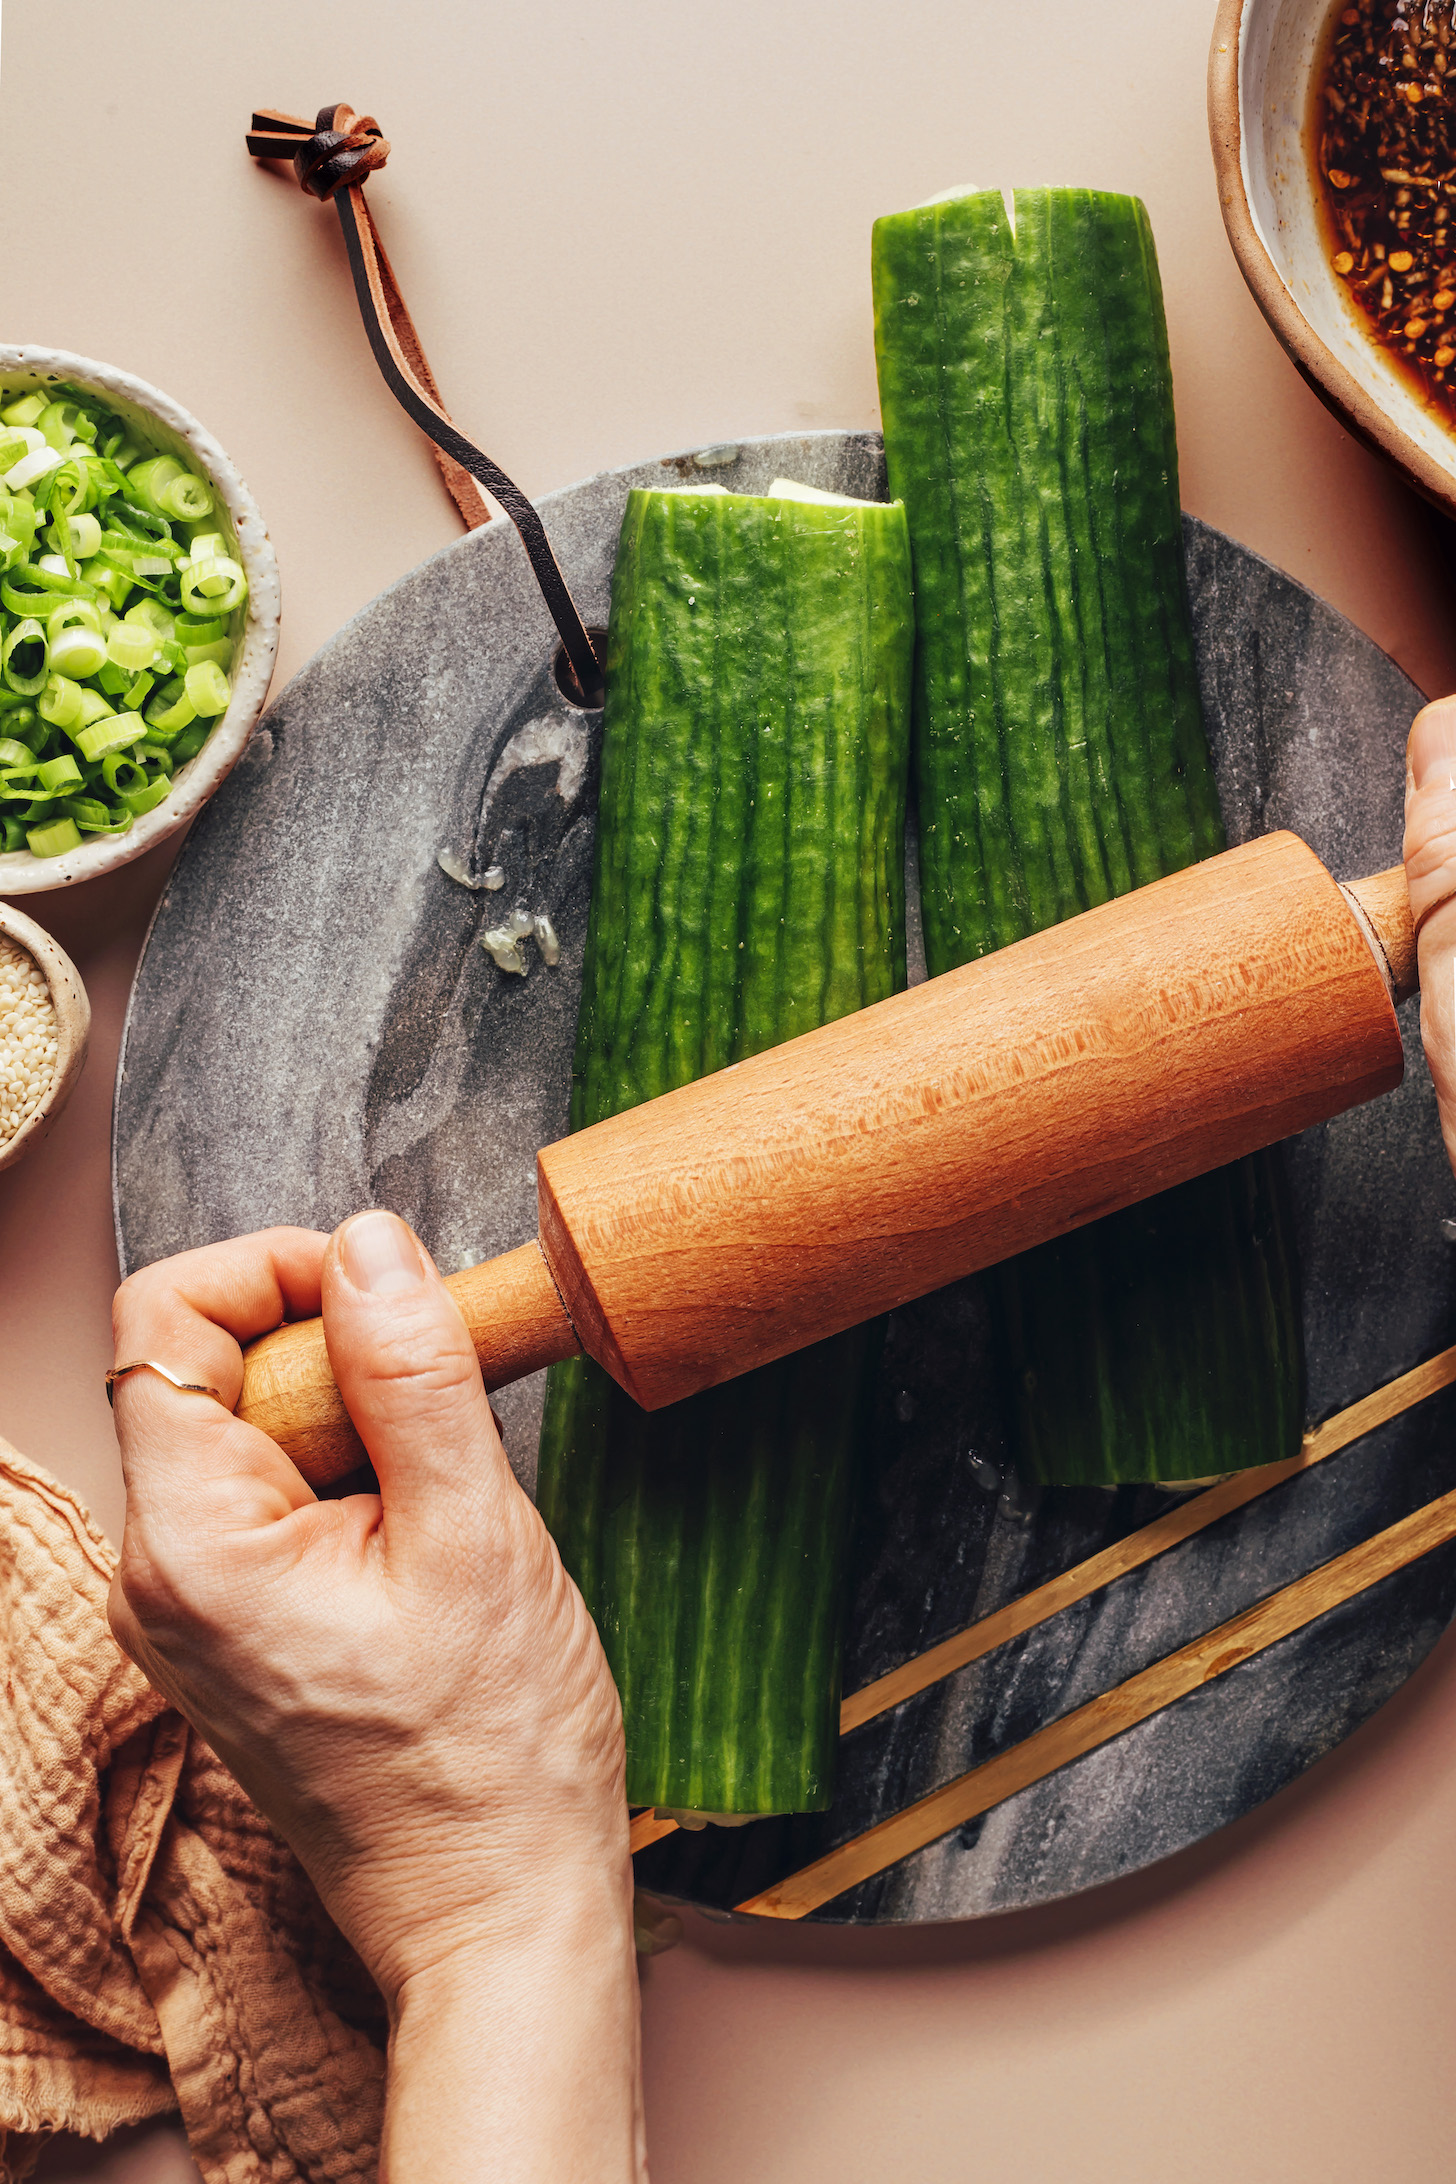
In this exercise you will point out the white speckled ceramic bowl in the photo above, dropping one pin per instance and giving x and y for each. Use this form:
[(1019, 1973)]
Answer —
[(163, 425), (73, 1028), (1260, 85)]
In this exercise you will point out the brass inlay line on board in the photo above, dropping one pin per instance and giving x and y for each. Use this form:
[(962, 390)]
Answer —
[(1140, 1547), (1108, 1716)]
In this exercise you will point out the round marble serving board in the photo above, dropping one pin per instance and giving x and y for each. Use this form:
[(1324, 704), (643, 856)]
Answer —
[(314, 1029)]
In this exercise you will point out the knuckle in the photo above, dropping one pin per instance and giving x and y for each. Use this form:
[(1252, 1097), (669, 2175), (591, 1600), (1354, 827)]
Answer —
[(148, 1586), (160, 1583), (1430, 847), (416, 1351), (133, 1296)]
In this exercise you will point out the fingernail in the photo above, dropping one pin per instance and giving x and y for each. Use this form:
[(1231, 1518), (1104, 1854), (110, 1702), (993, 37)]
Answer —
[(1431, 752), (380, 1255)]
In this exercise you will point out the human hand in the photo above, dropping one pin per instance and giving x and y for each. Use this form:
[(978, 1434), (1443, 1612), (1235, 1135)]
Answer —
[(407, 1683), (1430, 868)]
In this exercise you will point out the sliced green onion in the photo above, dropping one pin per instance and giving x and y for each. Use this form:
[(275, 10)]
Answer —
[(154, 616), (54, 839), (56, 421), (70, 487), (85, 534), (25, 725), (116, 732), (17, 786), (59, 775), (147, 799), (12, 834), (61, 702), (184, 498), (103, 547), (23, 599), (94, 707), (20, 520), (131, 646), (121, 772), (146, 480), (170, 711), (190, 742), (41, 579), (33, 466), (104, 577), (78, 652), (208, 689), (73, 614), (96, 818), (23, 662), (145, 520), (217, 583)]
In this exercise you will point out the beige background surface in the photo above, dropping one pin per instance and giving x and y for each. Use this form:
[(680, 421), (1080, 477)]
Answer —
[(624, 231)]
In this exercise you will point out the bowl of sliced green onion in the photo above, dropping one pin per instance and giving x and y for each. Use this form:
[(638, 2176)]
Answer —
[(138, 617)]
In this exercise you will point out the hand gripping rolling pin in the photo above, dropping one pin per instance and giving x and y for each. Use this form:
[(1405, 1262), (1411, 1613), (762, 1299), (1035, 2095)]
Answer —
[(891, 1152)]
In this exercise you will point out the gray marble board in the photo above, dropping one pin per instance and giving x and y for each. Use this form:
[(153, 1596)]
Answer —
[(313, 1028)]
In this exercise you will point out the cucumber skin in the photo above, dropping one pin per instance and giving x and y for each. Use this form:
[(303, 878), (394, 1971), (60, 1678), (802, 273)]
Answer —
[(1162, 1342), (1060, 760), (749, 885)]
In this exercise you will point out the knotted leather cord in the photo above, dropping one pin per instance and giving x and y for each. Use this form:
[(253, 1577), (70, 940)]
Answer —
[(332, 160)]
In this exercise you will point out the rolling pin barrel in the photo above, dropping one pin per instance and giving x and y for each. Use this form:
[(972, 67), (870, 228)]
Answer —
[(869, 1162)]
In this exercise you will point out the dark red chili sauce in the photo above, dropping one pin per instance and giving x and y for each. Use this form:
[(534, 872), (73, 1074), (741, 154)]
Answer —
[(1385, 146)]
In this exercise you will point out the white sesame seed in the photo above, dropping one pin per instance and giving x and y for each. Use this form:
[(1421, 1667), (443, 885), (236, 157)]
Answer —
[(27, 1037)]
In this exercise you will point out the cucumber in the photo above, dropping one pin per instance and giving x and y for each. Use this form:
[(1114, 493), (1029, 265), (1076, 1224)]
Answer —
[(1059, 760), (749, 885)]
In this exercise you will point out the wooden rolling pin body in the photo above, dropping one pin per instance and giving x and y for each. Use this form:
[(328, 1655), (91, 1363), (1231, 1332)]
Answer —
[(887, 1154)]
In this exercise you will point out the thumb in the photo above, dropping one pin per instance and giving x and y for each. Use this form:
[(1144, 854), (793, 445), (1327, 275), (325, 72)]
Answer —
[(407, 1370), (1430, 866)]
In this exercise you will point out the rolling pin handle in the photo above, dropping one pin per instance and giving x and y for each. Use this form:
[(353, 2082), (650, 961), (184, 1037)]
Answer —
[(1381, 904), (515, 1319)]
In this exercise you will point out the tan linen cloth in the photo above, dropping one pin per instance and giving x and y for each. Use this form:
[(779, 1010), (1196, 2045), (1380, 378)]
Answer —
[(160, 1946)]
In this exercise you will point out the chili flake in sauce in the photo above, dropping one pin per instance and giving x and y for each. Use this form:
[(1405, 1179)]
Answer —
[(1385, 118)]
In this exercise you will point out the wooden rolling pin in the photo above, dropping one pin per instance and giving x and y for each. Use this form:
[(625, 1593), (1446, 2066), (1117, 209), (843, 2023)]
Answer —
[(887, 1154)]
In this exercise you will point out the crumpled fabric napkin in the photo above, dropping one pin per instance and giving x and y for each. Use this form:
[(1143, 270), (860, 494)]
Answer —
[(160, 1946)]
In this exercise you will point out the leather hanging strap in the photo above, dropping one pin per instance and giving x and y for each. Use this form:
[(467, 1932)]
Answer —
[(333, 158)]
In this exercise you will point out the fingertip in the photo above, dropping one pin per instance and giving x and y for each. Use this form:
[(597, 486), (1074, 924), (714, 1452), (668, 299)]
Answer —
[(379, 1255)]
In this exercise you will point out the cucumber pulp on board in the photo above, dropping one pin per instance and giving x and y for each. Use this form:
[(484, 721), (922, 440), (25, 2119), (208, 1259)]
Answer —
[(749, 885), (1060, 760)]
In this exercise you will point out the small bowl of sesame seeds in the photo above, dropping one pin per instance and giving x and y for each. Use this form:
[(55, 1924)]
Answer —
[(45, 1020), (1333, 125)]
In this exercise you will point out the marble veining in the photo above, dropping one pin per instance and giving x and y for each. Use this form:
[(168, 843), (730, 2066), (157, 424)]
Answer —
[(315, 1027)]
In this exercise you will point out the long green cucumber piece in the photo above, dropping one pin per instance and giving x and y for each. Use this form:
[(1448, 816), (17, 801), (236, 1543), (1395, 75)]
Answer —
[(1060, 759), (749, 885)]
